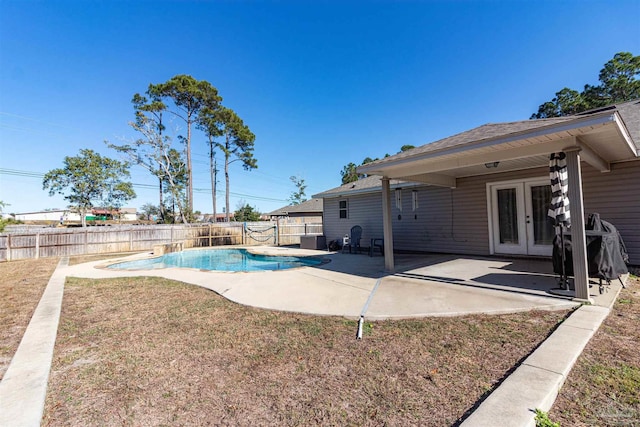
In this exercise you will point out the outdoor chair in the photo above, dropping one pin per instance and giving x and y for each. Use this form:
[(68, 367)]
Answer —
[(354, 239)]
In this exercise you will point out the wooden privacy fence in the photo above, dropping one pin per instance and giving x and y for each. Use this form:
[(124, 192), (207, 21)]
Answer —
[(57, 242), (289, 233)]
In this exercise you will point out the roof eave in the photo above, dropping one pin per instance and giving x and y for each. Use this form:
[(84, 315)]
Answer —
[(376, 189), (592, 120), (624, 134)]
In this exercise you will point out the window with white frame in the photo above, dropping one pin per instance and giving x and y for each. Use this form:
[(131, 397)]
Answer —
[(343, 209), (399, 199), (414, 200)]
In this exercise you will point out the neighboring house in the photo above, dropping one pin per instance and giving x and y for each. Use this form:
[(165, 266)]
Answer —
[(59, 215), (128, 214), (306, 212), (220, 217), (358, 203), (54, 215), (121, 214), (486, 191)]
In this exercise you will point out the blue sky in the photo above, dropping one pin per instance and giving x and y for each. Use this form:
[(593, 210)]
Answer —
[(320, 83)]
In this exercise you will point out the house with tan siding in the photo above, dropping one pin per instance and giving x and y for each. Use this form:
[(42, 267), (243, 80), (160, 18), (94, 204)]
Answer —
[(309, 211), (486, 191)]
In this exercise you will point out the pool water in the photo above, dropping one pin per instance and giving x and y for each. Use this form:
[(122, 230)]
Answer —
[(219, 260)]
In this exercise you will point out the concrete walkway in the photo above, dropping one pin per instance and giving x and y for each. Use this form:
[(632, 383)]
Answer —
[(535, 384), (432, 285), (24, 386)]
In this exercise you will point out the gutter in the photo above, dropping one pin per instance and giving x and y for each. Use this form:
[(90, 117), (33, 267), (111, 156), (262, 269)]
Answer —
[(376, 189)]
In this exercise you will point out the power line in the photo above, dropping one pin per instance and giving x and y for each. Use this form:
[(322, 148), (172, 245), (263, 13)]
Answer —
[(29, 174), (33, 119)]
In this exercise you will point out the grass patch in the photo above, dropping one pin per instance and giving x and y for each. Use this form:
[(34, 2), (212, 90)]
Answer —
[(152, 351), (21, 286), (603, 388)]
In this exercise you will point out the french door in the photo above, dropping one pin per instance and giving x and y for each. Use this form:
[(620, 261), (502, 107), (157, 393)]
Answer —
[(519, 217)]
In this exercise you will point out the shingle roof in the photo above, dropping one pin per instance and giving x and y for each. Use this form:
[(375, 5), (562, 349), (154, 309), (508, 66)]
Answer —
[(310, 206), (363, 185), (629, 112), (480, 133)]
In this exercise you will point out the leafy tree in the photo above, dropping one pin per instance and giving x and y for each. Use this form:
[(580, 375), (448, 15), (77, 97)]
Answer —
[(566, 102), (188, 96), (149, 210), (208, 122), (406, 147), (246, 213), (368, 160), (236, 141), (175, 185), (298, 196), (618, 83), (89, 179), (3, 222), (349, 173), (149, 152), (153, 152)]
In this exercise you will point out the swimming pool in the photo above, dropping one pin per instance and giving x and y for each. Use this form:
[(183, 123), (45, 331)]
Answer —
[(219, 260)]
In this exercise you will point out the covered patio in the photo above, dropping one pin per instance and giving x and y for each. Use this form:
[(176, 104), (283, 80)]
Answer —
[(598, 138)]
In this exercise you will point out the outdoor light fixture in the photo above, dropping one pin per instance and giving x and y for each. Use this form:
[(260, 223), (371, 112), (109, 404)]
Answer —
[(491, 165)]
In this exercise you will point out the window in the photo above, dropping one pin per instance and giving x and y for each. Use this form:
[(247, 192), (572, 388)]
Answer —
[(343, 209), (399, 199), (414, 200)]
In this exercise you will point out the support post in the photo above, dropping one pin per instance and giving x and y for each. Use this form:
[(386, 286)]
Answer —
[(37, 245), (8, 247), (387, 226), (578, 240)]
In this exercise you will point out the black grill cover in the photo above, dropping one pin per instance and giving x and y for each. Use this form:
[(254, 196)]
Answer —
[(606, 253)]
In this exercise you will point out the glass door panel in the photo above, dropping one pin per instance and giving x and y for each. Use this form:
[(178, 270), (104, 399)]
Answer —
[(540, 229), (509, 230), (508, 216)]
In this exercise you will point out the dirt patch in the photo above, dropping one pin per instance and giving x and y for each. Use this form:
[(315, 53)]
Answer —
[(149, 351), (603, 388), (21, 286)]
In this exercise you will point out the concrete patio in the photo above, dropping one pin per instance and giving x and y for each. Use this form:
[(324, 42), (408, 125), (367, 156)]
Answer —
[(423, 285)]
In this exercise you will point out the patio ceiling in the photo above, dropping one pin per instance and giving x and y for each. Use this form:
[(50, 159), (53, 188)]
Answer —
[(602, 139)]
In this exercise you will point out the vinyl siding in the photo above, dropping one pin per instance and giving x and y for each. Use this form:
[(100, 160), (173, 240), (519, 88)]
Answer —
[(363, 210), (455, 220), (451, 220), (615, 196)]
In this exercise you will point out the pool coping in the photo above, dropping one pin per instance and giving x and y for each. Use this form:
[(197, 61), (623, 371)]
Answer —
[(251, 250)]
